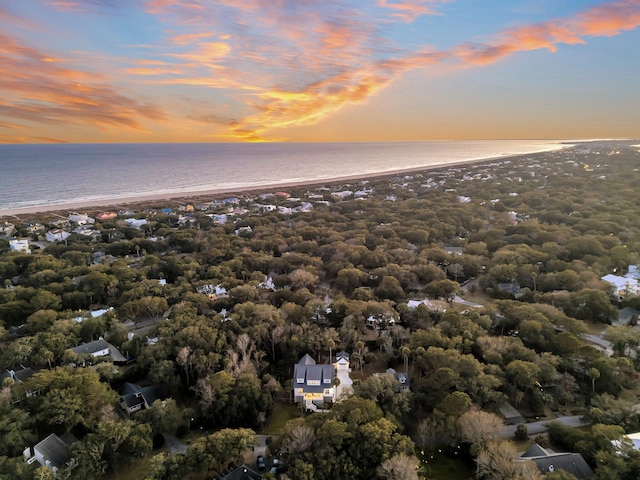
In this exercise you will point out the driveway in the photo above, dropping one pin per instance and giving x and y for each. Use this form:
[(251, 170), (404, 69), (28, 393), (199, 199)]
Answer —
[(599, 343), (462, 301), (345, 384), (540, 427)]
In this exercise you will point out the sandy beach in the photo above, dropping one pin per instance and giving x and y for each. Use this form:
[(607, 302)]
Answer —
[(207, 195)]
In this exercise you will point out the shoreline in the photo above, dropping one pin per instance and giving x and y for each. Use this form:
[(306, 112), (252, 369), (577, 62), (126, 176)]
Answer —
[(188, 196)]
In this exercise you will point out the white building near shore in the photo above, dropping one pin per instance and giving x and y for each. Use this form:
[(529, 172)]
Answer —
[(19, 246)]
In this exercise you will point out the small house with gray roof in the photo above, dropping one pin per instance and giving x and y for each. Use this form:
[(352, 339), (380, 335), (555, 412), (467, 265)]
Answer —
[(52, 452), (97, 348), (134, 397)]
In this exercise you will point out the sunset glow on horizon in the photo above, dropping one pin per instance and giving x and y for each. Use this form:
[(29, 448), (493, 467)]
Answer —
[(99, 71)]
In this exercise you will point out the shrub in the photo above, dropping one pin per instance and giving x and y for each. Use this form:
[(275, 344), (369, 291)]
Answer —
[(522, 432)]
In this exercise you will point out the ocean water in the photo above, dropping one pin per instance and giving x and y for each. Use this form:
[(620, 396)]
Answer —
[(43, 175)]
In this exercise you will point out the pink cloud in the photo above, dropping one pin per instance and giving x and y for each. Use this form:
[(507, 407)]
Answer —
[(603, 20), (38, 90), (281, 63), (409, 10)]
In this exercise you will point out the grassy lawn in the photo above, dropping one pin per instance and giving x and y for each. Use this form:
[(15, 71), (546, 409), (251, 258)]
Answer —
[(138, 469), (446, 468), (282, 413), (595, 328)]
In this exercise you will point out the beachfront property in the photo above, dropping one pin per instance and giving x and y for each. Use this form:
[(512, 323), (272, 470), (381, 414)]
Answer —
[(81, 219), (19, 246), (342, 194), (7, 229), (106, 216), (57, 235), (135, 222)]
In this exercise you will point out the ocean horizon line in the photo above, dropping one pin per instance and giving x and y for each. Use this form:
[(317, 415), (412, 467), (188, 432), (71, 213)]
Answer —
[(248, 184), (337, 142)]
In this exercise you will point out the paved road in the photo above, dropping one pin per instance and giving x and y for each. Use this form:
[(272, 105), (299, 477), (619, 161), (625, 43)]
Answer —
[(539, 427), (175, 445), (599, 343)]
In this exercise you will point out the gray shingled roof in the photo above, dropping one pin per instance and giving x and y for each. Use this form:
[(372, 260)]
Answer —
[(54, 450), (535, 451), (242, 473), (321, 373), (307, 360), (572, 463), (91, 347), (133, 394)]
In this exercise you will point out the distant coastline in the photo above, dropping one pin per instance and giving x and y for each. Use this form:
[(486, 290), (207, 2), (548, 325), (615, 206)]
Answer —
[(202, 195)]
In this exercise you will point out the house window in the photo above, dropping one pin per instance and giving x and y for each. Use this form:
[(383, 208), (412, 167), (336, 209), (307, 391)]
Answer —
[(313, 382)]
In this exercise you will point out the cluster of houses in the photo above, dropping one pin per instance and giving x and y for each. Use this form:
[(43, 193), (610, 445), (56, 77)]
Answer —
[(625, 284)]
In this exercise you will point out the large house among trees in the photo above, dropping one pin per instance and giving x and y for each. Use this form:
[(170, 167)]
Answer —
[(314, 384)]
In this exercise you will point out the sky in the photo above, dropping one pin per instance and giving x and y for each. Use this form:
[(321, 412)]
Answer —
[(100, 71)]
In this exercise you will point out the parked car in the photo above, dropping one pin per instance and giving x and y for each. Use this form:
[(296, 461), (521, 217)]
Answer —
[(260, 463)]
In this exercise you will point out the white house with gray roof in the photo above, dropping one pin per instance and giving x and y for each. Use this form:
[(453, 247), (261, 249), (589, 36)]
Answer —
[(52, 452), (314, 384)]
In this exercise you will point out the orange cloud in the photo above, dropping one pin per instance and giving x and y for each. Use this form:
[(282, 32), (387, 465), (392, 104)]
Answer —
[(264, 66), (152, 71), (609, 19), (187, 38), (37, 91), (86, 5), (410, 10), (603, 20), (159, 6)]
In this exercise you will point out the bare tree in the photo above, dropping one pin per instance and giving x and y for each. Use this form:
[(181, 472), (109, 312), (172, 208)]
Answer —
[(184, 359), (299, 438), (498, 461), (427, 434), (478, 427), (399, 467)]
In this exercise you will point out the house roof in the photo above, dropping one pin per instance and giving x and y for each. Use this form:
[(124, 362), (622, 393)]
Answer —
[(91, 347), (242, 473), (626, 314), (535, 451), (54, 450), (512, 288), (318, 373), (307, 360), (133, 394), (17, 375), (342, 354), (572, 463)]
